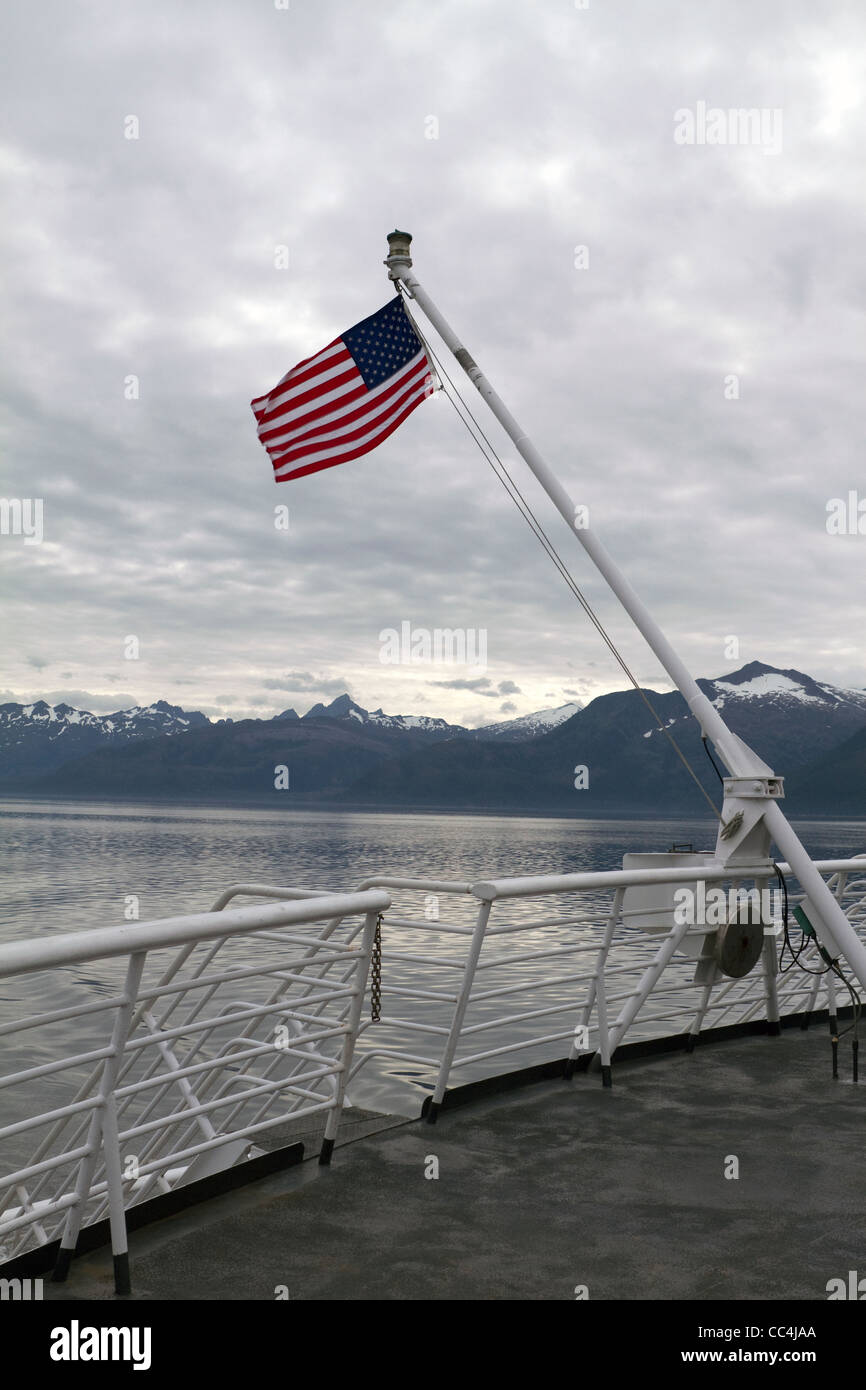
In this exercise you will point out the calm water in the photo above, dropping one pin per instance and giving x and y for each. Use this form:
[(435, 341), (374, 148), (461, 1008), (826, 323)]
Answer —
[(71, 866)]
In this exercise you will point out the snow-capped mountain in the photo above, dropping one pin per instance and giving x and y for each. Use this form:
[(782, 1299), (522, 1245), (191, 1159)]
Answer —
[(805, 729), (786, 711), (788, 718), (40, 737), (759, 682), (529, 725), (345, 708)]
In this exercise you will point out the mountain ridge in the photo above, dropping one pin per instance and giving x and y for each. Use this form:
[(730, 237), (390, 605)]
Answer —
[(39, 738), (340, 753)]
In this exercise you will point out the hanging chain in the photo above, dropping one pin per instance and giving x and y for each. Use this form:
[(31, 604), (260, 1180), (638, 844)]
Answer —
[(376, 974)]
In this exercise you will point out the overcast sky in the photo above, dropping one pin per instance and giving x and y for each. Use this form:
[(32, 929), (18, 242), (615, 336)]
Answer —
[(694, 375)]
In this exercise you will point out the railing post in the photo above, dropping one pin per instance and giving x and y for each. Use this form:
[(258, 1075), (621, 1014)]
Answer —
[(770, 966), (697, 1022), (598, 996), (459, 1010), (648, 980), (604, 1051), (114, 1181), (811, 1002), (834, 1020), (108, 1133), (362, 971)]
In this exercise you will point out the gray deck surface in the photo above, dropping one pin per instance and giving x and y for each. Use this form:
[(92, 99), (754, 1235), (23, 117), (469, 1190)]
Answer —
[(551, 1186)]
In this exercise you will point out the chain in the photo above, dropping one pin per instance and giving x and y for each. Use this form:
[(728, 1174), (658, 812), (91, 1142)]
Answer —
[(376, 974)]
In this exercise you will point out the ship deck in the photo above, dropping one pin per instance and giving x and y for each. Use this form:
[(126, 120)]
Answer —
[(548, 1187)]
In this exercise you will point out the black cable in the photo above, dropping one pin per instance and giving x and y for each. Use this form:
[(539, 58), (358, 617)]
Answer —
[(787, 943), (711, 758), (831, 963)]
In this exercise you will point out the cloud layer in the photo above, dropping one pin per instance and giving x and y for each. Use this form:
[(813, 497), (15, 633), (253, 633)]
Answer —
[(679, 328)]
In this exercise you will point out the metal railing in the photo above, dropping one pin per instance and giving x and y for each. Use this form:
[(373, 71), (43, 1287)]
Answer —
[(475, 977), (470, 970), (180, 1061)]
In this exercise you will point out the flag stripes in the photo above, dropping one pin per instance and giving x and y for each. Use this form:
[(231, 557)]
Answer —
[(346, 399)]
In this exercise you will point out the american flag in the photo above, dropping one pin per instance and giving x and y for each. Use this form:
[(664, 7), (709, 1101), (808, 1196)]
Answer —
[(344, 401)]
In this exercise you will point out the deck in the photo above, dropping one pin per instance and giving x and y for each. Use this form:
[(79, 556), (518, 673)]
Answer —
[(552, 1186)]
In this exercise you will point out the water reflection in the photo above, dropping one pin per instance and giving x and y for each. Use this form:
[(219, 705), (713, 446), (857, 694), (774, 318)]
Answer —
[(77, 866)]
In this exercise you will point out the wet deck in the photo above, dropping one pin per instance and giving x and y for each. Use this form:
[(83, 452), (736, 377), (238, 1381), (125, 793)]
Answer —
[(551, 1186)]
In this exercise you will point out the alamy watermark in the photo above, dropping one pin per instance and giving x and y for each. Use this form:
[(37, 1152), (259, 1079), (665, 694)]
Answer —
[(854, 1288), (20, 1290), (713, 907), (846, 516), (465, 646), (77, 1343), (715, 125), (22, 516)]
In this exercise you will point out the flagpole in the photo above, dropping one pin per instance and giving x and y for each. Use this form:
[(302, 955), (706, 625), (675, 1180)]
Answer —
[(739, 760), (752, 788)]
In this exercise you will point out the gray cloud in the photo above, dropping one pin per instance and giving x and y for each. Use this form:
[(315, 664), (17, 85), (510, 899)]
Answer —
[(703, 262), (299, 681), (479, 685), (95, 701)]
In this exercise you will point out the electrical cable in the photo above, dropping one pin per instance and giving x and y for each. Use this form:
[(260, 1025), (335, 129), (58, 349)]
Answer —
[(831, 963), (711, 758)]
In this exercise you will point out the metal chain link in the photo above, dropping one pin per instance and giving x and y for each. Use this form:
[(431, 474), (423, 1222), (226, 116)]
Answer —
[(376, 974)]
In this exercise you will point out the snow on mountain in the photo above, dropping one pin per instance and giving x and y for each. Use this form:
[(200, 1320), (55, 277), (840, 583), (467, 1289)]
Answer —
[(345, 708), (784, 698), (39, 737), (529, 725), (413, 721), (770, 684), (780, 688), (757, 681), (791, 719)]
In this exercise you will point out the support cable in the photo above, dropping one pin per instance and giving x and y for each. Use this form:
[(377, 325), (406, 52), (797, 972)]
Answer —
[(490, 455)]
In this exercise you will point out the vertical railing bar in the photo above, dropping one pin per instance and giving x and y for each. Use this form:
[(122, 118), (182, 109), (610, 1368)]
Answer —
[(475, 944), (111, 1068), (353, 1021), (280, 990), (598, 980), (652, 973)]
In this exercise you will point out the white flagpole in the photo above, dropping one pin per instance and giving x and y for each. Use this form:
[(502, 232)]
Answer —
[(751, 781)]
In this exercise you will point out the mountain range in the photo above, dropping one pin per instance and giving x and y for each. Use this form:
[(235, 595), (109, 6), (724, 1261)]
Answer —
[(609, 757), (40, 737)]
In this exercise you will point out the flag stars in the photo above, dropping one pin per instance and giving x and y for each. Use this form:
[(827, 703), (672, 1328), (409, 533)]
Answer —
[(383, 344), (324, 424)]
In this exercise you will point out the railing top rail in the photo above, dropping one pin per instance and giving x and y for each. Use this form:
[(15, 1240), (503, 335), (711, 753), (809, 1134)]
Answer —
[(18, 957), (429, 885), (275, 890), (489, 889), (262, 890)]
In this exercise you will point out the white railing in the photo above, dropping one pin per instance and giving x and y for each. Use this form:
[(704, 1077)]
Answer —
[(559, 950), (180, 1061), (475, 977), (471, 971)]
